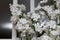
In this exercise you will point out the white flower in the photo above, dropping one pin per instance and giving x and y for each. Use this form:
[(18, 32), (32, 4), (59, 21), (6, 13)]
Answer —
[(53, 15), (29, 14), (24, 15), (30, 30), (49, 9), (22, 7), (20, 27), (43, 25), (23, 20), (14, 19), (55, 32), (27, 26), (35, 16), (52, 24), (24, 27), (46, 38), (13, 8), (45, 7), (23, 34), (17, 10), (42, 12), (40, 27), (16, 13), (34, 38), (57, 11)]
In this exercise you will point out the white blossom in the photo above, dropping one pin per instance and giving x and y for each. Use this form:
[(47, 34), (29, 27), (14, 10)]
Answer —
[(52, 24), (46, 38), (23, 20), (34, 38), (49, 9), (14, 19), (23, 34), (39, 27), (42, 12), (30, 30), (29, 14), (20, 27), (24, 27), (35, 16), (16, 13), (17, 10), (22, 7), (55, 32), (13, 8), (54, 14)]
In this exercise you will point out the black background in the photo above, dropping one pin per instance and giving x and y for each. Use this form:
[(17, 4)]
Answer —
[(5, 17)]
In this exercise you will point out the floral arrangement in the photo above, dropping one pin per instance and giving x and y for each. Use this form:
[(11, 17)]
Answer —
[(39, 25)]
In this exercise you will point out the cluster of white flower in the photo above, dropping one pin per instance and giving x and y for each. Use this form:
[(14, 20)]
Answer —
[(32, 24), (35, 16)]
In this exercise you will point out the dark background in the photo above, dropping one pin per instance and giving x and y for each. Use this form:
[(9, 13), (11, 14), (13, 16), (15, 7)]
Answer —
[(5, 15)]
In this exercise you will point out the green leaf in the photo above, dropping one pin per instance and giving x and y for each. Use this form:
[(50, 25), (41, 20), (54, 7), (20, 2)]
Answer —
[(28, 37), (21, 16)]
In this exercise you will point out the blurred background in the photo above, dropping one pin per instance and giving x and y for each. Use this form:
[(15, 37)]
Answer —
[(5, 24)]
